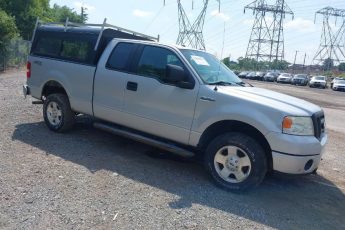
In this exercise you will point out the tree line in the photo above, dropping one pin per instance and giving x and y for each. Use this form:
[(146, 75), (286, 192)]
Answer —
[(18, 17), (252, 64)]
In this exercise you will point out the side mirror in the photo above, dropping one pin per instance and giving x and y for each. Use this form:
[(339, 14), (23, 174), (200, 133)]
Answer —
[(176, 75)]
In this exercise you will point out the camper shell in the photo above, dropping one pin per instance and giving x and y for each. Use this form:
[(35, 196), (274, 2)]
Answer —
[(79, 43)]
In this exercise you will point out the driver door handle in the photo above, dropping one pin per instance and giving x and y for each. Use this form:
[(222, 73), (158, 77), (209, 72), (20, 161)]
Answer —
[(132, 86)]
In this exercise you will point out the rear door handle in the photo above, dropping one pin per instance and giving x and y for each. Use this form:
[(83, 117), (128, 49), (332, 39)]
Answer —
[(133, 86)]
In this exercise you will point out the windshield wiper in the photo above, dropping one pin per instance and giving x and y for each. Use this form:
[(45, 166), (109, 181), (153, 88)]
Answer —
[(221, 83), (225, 83)]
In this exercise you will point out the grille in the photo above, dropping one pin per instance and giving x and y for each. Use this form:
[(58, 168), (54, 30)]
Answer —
[(319, 124)]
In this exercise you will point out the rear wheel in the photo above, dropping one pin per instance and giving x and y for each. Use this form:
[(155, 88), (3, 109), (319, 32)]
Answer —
[(57, 113), (236, 161)]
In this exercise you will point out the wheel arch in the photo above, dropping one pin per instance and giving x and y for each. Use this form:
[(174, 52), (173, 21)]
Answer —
[(53, 86), (221, 127)]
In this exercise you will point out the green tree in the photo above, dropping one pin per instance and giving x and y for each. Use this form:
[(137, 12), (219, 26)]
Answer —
[(8, 29), (60, 13), (328, 64), (341, 66), (25, 13), (226, 61)]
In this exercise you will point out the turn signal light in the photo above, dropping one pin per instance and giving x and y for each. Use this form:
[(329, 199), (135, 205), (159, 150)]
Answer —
[(287, 123)]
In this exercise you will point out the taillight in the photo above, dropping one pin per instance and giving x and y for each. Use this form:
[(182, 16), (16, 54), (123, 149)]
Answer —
[(28, 69)]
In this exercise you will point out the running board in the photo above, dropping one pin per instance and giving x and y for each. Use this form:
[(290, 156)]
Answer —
[(145, 140)]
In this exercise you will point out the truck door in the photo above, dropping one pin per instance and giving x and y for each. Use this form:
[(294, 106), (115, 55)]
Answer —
[(109, 85), (152, 105)]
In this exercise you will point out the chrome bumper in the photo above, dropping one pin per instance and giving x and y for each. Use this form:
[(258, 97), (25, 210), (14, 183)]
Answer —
[(26, 90)]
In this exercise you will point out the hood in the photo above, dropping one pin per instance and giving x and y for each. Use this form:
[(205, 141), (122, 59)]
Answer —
[(287, 105), (299, 78)]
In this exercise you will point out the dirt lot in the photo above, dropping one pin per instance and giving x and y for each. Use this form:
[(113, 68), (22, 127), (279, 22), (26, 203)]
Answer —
[(91, 179)]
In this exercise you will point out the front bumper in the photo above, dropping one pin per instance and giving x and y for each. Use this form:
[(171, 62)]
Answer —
[(295, 164), (296, 154), (317, 84), (284, 80)]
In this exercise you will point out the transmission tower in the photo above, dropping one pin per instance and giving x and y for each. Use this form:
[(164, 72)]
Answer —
[(191, 35), (266, 41), (332, 43)]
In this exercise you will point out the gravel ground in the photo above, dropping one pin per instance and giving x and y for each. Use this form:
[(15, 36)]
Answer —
[(90, 179)]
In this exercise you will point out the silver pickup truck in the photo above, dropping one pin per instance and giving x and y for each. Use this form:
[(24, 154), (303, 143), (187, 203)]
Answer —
[(174, 98)]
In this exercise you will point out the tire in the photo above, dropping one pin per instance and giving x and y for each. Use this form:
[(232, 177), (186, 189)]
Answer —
[(57, 113), (238, 175)]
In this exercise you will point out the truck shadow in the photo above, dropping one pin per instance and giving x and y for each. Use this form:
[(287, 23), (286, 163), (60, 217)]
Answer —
[(279, 202)]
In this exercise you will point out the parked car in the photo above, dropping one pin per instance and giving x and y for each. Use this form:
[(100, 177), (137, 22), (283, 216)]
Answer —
[(175, 98), (333, 80), (339, 84), (300, 79), (243, 74), (284, 78), (259, 76), (251, 75), (270, 77), (318, 81)]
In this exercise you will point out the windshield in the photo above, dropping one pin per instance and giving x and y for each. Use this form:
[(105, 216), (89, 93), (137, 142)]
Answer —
[(340, 81), (286, 75), (320, 78), (209, 68), (301, 76)]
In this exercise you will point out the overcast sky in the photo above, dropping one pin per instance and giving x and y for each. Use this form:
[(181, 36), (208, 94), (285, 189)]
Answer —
[(151, 17)]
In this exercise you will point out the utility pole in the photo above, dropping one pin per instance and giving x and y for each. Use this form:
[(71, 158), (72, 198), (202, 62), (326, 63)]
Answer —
[(332, 43), (305, 56), (266, 41), (294, 62)]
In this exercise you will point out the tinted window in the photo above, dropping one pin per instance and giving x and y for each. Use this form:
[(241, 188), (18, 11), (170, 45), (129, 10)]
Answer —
[(48, 46), (64, 46), (75, 50), (119, 57), (154, 60)]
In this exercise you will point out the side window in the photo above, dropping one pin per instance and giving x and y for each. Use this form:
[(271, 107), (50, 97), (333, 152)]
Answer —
[(75, 50), (153, 62), (48, 46), (119, 57)]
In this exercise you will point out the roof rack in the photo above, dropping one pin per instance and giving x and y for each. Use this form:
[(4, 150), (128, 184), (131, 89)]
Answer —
[(103, 26)]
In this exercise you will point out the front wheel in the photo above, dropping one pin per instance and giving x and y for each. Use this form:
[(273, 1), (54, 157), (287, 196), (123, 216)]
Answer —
[(236, 161), (57, 113)]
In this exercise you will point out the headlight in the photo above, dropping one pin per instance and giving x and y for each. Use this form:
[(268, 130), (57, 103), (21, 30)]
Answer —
[(302, 126)]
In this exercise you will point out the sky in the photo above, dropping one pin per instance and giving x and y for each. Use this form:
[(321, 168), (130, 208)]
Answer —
[(152, 18)]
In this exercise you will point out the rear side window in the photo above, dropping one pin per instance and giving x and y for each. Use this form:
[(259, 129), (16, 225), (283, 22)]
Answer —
[(48, 46), (154, 60), (64, 46), (75, 50), (119, 58)]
